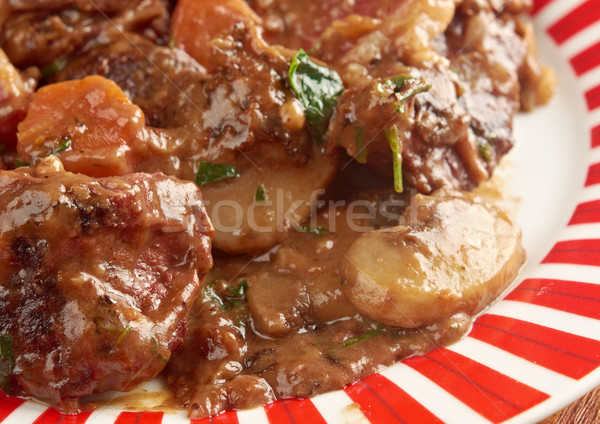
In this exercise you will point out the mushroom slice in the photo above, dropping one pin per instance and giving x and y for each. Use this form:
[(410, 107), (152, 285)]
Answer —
[(454, 253)]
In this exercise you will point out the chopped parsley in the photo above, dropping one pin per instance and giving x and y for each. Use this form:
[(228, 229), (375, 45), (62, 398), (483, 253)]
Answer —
[(259, 194), (53, 67), (318, 88), (63, 145), (213, 296), (241, 290), (484, 149), (318, 230), (361, 151), (121, 331), (399, 82), (231, 298), (20, 164), (7, 360), (155, 351), (211, 172), (359, 339), (238, 294), (396, 146), (122, 335), (405, 87)]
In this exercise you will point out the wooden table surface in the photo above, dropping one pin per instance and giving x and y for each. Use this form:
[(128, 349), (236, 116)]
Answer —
[(585, 411)]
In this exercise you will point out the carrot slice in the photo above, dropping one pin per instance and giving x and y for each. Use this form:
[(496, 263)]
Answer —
[(90, 124), (196, 22)]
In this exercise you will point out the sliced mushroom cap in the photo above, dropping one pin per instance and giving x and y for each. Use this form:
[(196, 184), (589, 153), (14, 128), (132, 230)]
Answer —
[(456, 253), (246, 222)]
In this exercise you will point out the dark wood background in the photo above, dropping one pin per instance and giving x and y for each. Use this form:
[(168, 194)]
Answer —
[(585, 411)]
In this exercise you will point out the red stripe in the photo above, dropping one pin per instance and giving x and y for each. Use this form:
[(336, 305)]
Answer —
[(383, 402), (586, 60), (586, 213), (592, 97), (539, 5), (593, 176), (580, 252), (293, 411), (569, 296), (570, 24), (139, 418), (227, 417), (76, 419), (8, 404), (485, 390), (565, 353), (52, 416), (596, 135)]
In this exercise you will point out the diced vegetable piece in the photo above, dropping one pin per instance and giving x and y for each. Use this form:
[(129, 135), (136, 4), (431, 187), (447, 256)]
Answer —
[(90, 124), (196, 22)]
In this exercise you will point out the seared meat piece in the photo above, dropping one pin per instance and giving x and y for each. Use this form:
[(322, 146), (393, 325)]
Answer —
[(419, 110), (143, 70), (496, 6), (43, 32), (501, 43), (481, 69), (16, 91), (97, 277)]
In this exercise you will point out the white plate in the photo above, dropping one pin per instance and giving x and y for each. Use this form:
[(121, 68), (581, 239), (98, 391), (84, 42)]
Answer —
[(533, 352)]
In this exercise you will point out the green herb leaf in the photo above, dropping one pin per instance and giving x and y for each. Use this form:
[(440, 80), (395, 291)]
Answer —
[(399, 81), (241, 289), (414, 92), (359, 339), (7, 349), (54, 67), (361, 151), (319, 231), (211, 172), (7, 362), (484, 148), (259, 194), (212, 295), (122, 335), (399, 84), (396, 146), (63, 145), (155, 351), (318, 88), (20, 164)]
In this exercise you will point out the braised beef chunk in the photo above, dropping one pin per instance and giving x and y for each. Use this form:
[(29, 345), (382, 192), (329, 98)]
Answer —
[(143, 70), (419, 110), (43, 33), (97, 277)]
